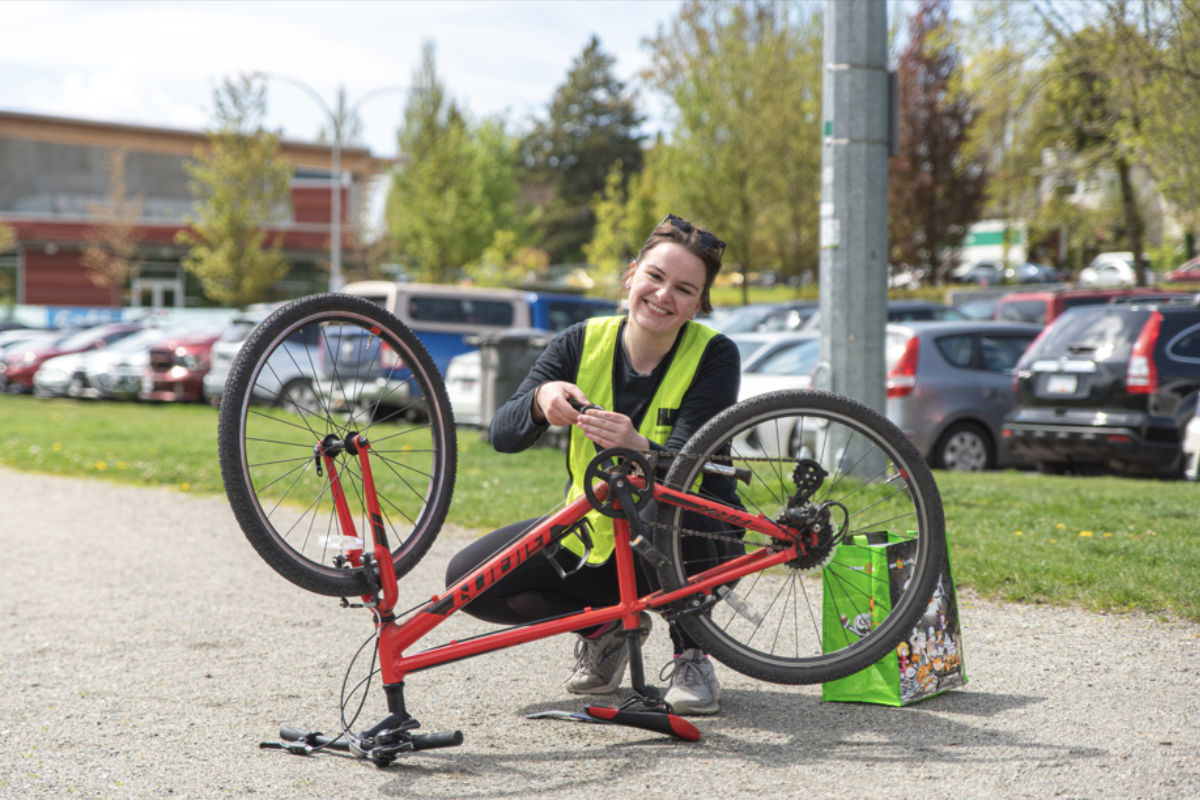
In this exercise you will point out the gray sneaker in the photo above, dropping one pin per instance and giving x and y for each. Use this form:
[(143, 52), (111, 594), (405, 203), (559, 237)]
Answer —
[(694, 688), (600, 663)]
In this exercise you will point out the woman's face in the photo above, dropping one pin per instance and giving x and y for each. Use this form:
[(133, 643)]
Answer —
[(665, 288)]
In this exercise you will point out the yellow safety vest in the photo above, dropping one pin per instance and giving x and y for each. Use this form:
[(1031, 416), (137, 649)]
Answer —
[(596, 380)]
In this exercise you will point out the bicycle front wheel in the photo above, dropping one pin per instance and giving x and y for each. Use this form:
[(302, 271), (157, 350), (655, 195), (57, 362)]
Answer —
[(335, 365), (817, 463)]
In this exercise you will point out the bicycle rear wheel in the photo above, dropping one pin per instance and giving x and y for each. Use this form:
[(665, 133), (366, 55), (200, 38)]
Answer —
[(804, 621), (335, 365)]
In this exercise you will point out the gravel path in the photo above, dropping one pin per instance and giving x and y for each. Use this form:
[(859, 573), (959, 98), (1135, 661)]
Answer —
[(145, 650)]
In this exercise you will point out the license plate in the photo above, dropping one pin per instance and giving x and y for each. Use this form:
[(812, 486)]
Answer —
[(1061, 384)]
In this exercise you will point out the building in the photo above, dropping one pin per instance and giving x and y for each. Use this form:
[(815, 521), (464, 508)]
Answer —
[(53, 169)]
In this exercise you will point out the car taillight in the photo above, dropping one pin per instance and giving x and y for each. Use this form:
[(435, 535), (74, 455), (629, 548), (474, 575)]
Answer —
[(389, 358), (903, 377), (1141, 377)]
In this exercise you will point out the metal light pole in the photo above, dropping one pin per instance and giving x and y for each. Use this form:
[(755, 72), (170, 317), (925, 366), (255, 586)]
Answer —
[(854, 153), (855, 144), (336, 281)]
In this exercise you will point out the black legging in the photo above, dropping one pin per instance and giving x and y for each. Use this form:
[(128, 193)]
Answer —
[(534, 591)]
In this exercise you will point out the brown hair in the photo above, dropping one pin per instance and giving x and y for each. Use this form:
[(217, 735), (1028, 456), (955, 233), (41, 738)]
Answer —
[(669, 234)]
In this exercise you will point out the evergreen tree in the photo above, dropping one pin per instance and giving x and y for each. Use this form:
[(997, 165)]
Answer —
[(592, 123), (934, 193), (241, 185), (457, 186)]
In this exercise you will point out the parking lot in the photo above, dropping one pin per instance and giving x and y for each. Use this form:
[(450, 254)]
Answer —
[(147, 650)]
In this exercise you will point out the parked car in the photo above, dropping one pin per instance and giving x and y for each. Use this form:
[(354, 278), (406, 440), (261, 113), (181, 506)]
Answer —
[(788, 364), (949, 388), (1110, 387), (116, 372), (23, 362), (178, 363), (292, 367), (14, 336), (909, 311), (1185, 273), (985, 273), (979, 309), (754, 347), (1030, 272), (72, 375), (1113, 269), (1191, 448), (1044, 306)]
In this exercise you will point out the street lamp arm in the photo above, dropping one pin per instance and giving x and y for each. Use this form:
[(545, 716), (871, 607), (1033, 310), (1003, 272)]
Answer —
[(299, 84), (375, 93)]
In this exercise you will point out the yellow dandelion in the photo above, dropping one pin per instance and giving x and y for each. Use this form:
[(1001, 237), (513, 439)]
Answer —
[(185, 486), (1019, 533), (121, 465), (100, 465), (57, 446), (1060, 525), (1054, 541), (1107, 535), (1085, 533)]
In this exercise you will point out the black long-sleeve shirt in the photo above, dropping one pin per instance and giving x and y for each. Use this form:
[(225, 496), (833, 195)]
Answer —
[(714, 388)]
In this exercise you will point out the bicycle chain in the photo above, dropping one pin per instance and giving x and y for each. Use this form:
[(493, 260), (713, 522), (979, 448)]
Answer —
[(652, 454)]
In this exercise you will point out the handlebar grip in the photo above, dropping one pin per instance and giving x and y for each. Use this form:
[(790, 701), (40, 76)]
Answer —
[(293, 734), (432, 741)]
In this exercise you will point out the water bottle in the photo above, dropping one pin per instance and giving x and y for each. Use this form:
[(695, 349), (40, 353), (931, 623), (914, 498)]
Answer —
[(739, 605)]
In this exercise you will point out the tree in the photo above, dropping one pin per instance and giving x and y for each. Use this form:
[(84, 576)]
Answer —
[(1156, 42), (592, 123), (458, 184), (110, 249), (241, 186), (1091, 109), (8, 241), (506, 262), (1003, 79), (743, 153), (934, 192)]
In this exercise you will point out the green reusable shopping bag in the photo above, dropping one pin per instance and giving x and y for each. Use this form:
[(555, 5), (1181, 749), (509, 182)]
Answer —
[(856, 598)]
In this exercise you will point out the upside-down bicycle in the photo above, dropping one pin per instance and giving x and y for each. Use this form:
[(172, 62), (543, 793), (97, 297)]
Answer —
[(342, 482)]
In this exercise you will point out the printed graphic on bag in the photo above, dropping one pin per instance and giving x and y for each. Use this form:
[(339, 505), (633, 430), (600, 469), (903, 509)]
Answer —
[(930, 661), (927, 662)]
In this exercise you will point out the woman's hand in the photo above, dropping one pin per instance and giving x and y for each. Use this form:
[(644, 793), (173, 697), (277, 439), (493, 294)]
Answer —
[(610, 429), (550, 405)]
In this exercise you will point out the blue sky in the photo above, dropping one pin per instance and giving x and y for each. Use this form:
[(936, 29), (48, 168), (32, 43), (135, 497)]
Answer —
[(156, 63)]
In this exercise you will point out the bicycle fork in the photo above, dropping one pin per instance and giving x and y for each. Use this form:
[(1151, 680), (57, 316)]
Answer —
[(377, 564)]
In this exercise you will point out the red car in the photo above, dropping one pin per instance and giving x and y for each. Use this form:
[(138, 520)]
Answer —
[(177, 367), (1186, 273), (20, 365)]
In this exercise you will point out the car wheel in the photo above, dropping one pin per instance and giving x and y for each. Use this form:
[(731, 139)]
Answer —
[(298, 397), (965, 447)]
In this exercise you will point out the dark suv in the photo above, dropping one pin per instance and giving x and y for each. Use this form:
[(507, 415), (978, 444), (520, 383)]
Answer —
[(1109, 388)]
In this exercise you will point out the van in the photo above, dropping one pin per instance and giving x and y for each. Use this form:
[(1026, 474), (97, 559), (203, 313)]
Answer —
[(444, 317)]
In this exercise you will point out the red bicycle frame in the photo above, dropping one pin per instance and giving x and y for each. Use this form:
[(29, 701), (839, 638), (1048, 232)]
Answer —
[(397, 637)]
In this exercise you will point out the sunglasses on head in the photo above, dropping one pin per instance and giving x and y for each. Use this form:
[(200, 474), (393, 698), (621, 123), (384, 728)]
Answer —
[(707, 239)]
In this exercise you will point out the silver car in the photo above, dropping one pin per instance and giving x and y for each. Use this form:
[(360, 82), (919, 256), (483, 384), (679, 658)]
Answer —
[(288, 381), (950, 385)]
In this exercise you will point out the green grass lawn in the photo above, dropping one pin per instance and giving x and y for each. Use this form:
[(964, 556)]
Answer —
[(1108, 544)]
